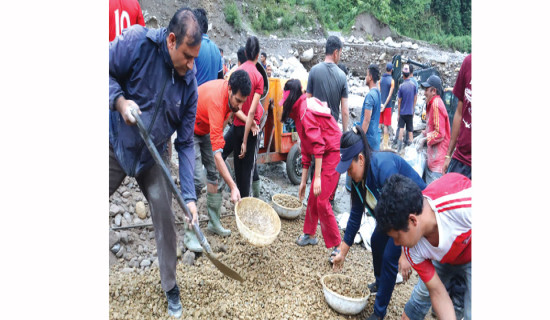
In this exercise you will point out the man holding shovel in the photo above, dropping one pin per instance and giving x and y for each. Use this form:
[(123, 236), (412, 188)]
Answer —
[(217, 99), (152, 71)]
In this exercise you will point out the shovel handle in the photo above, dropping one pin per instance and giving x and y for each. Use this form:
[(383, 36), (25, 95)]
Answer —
[(158, 160)]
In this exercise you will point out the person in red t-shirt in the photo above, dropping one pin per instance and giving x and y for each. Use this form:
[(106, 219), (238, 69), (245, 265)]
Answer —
[(320, 136), (217, 100), (438, 131), (123, 14), (434, 227), (245, 132), (461, 135)]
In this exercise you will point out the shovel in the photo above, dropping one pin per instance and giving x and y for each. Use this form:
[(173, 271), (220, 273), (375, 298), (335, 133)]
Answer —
[(202, 239)]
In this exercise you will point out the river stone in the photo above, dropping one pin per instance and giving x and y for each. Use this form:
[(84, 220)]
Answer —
[(145, 263), (126, 194), (124, 237), (140, 210), (113, 238), (127, 270), (128, 216), (114, 210), (118, 219), (188, 258), (178, 252)]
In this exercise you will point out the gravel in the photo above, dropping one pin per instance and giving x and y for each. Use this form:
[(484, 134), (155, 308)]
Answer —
[(282, 281)]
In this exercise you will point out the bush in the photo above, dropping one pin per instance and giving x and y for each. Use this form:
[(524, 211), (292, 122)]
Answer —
[(232, 16)]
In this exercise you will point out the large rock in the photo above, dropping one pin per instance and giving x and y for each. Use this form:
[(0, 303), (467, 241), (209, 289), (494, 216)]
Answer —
[(307, 55)]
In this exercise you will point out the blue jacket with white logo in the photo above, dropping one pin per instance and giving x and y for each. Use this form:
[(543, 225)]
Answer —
[(383, 165), (140, 69)]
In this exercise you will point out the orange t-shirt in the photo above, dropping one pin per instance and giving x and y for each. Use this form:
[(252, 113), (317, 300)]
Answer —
[(212, 111)]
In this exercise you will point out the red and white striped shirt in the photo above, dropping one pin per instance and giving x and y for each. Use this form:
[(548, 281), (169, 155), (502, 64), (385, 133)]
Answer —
[(450, 197)]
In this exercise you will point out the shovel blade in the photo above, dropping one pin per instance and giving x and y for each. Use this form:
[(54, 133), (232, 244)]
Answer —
[(223, 268)]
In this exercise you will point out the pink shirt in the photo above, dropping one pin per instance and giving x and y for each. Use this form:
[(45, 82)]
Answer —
[(257, 82)]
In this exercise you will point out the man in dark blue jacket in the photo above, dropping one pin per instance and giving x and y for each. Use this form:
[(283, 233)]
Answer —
[(153, 71)]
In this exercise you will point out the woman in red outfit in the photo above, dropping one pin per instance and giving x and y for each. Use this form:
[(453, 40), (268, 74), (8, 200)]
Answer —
[(320, 137)]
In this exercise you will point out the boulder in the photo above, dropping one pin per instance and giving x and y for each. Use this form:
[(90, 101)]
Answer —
[(307, 55)]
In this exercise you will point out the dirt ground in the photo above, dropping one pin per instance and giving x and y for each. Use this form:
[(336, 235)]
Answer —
[(282, 280)]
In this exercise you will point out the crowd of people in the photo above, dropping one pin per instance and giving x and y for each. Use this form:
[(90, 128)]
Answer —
[(178, 81)]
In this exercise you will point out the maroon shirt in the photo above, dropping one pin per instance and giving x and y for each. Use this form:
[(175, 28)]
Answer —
[(257, 82), (463, 91)]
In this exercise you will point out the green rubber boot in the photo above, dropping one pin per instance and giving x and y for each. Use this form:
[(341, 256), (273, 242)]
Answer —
[(256, 189), (214, 205), (190, 240)]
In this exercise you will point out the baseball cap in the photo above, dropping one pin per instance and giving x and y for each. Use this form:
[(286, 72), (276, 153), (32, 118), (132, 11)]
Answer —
[(405, 69), (347, 155), (432, 81), (389, 66)]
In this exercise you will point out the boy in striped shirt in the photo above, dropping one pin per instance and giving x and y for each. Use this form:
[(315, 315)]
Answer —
[(434, 227)]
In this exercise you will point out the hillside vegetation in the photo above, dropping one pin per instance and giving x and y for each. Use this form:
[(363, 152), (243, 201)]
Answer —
[(443, 22)]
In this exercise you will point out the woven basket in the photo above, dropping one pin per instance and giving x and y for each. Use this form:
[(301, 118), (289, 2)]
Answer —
[(261, 208)]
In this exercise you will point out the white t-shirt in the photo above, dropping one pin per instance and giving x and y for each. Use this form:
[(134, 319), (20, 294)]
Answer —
[(450, 197)]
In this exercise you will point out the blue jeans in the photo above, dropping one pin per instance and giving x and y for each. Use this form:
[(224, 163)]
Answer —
[(385, 258), (430, 176), (419, 303)]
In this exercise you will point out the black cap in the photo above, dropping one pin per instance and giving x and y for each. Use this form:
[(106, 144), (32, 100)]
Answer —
[(433, 81)]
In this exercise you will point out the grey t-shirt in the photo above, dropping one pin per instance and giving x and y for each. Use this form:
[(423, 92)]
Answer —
[(327, 82)]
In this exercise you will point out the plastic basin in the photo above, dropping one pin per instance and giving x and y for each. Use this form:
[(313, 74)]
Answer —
[(342, 304), (285, 212)]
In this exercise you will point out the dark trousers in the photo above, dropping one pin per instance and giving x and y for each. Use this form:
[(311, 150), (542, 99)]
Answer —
[(385, 258), (457, 285), (244, 168), (228, 149), (156, 190), (459, 167)]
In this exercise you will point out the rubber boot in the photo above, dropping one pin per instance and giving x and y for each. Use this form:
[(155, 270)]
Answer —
[(385, 145), (256, 189), (190, 240), (399, 146), (214, 205)]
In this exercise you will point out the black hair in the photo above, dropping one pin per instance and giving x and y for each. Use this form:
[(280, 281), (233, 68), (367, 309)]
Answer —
[(399, 197), (240, 81), (350, 138), (295, 88), (241, 56), (374, 72), (388, 69), (252, 48), (333, 43), (221, 50), (184, 23), (200, 14), (264, 54), (343, 68)]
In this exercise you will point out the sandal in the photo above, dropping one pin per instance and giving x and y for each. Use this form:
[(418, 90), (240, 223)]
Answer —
[(334, 253), (305, 239)]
